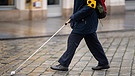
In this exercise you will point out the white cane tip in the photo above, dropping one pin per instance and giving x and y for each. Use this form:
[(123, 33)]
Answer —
[(12, 73)]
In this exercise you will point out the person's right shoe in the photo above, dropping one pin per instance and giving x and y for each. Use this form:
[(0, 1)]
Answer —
[(59, 68), (101, 67)]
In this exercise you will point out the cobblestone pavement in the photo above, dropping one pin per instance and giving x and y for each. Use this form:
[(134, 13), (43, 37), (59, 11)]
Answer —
[(119, 47)]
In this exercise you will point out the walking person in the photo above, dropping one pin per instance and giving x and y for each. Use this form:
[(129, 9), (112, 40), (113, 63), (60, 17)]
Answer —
[(84, 22)]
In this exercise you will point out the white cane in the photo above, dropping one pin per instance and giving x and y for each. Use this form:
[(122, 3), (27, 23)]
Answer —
[(13, 72)]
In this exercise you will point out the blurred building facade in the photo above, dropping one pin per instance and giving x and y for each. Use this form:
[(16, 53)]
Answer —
[(12, 10)]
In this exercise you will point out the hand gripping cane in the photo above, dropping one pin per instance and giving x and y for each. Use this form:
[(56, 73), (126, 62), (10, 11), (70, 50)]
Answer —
[(13, 72)]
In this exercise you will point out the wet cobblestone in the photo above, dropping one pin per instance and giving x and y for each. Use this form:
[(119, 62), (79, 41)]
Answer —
[(119, 47)]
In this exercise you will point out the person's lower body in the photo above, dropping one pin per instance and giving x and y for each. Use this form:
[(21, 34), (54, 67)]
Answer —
[(92, 43), (65, 60)]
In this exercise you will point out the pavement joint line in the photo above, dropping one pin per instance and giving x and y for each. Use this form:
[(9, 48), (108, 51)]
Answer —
[(115, 51), (133, 61), (28, 37), (88, 63), (123, 56)]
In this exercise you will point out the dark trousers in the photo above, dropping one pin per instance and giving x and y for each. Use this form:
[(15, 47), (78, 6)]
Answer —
[(92, 43)]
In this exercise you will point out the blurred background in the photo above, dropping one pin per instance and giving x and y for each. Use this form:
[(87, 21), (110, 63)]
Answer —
[(21, 18)]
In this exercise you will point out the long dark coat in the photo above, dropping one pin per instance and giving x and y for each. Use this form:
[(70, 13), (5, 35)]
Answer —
[(84, 19)]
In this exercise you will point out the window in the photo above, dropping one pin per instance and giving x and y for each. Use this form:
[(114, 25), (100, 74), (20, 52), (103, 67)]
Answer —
[(53, 2), (7, 4)]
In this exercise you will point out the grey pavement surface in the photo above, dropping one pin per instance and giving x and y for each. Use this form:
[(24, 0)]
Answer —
[(119, 47)]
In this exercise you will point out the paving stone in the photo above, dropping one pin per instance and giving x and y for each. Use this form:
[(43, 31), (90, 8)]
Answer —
[(86, 73), (99, 73), (113, 71)]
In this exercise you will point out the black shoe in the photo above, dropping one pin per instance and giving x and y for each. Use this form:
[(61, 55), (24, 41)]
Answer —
[(101, 67), (59, 67)]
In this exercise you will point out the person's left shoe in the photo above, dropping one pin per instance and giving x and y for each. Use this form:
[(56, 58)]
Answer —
[(101, 67), (59, 68)]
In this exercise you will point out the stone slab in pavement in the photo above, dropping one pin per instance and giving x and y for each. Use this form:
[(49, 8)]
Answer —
[(119, 47)]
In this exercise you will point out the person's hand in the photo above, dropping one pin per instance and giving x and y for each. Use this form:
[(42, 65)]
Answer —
[(67, 22)]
